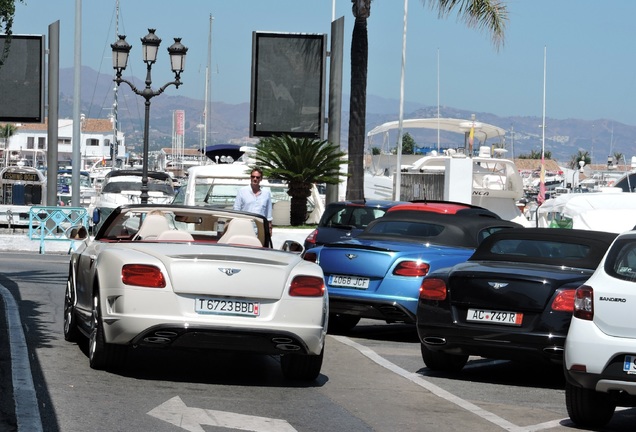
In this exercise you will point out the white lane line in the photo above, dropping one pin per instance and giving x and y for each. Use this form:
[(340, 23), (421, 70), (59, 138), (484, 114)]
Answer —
[(438, 391), (26, 402)]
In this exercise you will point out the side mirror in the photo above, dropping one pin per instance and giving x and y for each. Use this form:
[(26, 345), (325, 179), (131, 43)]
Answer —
[(292, 246)]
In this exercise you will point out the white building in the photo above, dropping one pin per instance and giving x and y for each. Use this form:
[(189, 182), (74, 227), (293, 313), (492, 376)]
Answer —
[(29, 144)]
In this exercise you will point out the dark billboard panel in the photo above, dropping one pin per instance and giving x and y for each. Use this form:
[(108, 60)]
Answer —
[(288, 84), (22, 78)]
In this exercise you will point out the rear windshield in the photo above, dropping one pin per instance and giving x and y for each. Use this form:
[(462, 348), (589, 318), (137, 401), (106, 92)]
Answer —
[(350, 216), (524, 248), (428, 232), (621, 261)]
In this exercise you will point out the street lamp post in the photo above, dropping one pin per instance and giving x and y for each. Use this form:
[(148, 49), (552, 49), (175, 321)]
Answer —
[(150, 45)]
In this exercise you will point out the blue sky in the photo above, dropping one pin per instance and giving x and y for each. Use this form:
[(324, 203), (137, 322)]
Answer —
[(590, 50)]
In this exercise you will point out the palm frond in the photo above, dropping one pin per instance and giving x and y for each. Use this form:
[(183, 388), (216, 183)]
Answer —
[(486, 15)]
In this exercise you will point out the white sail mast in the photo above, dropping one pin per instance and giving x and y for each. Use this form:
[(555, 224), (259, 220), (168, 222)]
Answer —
[(207, 109)]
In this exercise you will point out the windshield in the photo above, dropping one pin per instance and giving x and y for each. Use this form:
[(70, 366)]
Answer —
[(119, 187)]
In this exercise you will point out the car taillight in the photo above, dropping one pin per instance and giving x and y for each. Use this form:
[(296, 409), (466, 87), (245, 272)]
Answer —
[(584, 303), (433, 289), (311, 257), (311, 238), (564, 301), (307, 286), (142, 275), (411, 268)]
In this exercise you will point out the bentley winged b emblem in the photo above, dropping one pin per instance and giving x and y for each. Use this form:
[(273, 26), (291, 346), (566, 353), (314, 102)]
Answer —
[(229, 271), (497, 285), (351, 256)]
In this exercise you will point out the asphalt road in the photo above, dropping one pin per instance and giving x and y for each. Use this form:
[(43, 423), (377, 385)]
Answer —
[(373, 379)]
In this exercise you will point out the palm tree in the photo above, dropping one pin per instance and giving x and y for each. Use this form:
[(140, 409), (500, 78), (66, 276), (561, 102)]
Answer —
[(618, 156), (6, 131), (300, 162), (580, 156), (491, 15)]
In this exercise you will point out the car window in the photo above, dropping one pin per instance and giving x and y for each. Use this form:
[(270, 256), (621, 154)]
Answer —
[(408, 229), (355, 216), (487, 232), (621, 261), (540, 248)]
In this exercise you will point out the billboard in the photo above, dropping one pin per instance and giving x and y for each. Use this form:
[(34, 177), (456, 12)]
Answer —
[(288, 84), (22, 78)]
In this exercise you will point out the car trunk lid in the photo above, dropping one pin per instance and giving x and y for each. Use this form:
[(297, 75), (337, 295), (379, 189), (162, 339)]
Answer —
[(501, 287), (230, 271)]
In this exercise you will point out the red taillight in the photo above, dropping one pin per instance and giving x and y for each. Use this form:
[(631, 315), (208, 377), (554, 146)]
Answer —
[(433, 289), (584, 303), (311, 257), (411, 268), (142, 275), (578, 368), (564, 301), (307, 286), (311, 238)]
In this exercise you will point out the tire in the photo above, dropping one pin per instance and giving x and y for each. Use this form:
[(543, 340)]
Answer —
[(300, 367), (588, 408), (102, 355), (71, 332), (339, 323), (441, 361)]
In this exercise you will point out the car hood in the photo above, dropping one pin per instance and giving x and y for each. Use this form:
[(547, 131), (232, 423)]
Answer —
[(374, 258), (219, 270), (509, 286)]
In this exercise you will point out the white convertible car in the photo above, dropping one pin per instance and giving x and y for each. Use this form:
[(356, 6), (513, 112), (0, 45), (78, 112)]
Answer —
[(194, 277)]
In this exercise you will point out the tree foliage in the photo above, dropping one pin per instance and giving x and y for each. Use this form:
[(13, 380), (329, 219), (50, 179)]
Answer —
[(536, 154), (581, 155), (7, 12), (300, 162)]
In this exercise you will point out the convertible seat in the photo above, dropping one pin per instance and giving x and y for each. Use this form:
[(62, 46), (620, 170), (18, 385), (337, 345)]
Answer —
[(153, 225), (177, 235), (240, 232)]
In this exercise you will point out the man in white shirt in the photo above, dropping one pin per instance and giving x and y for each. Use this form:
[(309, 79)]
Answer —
[(254, 199)]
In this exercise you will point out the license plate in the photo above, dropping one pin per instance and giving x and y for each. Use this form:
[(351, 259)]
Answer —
[(494, 317), (349, 281), (629, 365), (226, 307)]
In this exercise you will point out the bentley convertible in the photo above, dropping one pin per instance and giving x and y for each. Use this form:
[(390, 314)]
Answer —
[(378, 274), (181, 277), (512, 299)]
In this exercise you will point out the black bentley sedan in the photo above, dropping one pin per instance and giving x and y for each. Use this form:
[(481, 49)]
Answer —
[(513, 299)]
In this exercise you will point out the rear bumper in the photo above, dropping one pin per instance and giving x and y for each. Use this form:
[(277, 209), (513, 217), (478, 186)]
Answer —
[(388, 310), (263, 341), (495, 343)]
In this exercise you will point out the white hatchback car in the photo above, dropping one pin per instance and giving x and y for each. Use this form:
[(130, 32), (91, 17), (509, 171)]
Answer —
[(600, 349)]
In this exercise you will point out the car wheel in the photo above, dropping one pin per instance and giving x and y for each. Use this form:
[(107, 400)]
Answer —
[(301, 367), (588, 408), (102, 355), (70, 320), (339, 323), (441, 361)]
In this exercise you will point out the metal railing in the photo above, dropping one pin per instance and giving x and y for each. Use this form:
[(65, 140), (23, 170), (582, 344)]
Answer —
[(51, 223)]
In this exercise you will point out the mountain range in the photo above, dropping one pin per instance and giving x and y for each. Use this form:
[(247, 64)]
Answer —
[(229, 123)]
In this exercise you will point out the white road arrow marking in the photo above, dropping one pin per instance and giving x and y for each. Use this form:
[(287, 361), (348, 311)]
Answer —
[(174, 411)]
